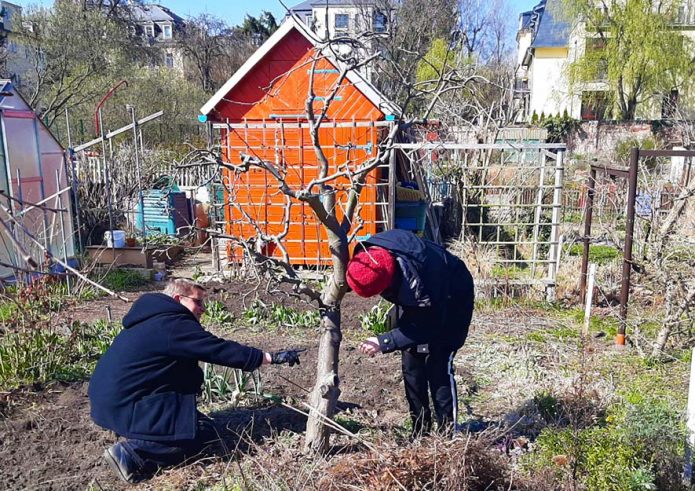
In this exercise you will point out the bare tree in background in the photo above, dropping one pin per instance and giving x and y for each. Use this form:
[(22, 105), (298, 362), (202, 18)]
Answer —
[(412, 26), (663, 260), (668, 261), (75, 55), (485, 28), (213, 48)]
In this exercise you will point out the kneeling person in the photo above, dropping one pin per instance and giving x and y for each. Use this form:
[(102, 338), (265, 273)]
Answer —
[(145, 387)]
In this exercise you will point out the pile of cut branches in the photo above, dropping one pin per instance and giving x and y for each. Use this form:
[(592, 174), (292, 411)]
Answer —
[(468, 462)]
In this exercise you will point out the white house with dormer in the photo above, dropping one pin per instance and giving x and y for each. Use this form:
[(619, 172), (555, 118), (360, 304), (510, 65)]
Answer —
[(548, 44), (159, 27), (342, 17)]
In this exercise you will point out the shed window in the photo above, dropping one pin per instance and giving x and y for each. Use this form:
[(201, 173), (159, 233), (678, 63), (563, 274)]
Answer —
[(342, 21)]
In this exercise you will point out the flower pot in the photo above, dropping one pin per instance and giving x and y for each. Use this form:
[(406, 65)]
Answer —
[(130, 242)]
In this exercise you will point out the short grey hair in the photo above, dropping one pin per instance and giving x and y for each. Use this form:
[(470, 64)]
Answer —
[(182, 286)]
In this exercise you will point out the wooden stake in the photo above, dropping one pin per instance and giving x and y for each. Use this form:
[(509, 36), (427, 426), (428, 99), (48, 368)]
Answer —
[(589, 298)]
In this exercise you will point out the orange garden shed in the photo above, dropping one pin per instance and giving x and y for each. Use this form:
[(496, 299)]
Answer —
[(260, 112)]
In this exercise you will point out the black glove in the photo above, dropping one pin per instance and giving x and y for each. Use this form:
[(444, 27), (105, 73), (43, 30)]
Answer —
[(290, 356)]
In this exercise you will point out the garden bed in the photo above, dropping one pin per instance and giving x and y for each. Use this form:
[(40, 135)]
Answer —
[(524, 374)]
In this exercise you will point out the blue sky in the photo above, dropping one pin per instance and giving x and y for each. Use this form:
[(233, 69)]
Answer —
[(234, 11)]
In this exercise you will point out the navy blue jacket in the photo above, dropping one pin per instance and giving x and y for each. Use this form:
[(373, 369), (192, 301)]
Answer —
[(434, 290), (145, 385)]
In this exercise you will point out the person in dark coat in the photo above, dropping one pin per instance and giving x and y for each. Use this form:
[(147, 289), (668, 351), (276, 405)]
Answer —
[(434, 293), (145, 387)]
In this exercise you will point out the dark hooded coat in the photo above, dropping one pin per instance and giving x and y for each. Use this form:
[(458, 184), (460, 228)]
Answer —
[(433, 289), (146, 384)]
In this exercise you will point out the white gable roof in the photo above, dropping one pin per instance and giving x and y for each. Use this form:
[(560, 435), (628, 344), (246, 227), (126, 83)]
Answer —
[(364, 86)]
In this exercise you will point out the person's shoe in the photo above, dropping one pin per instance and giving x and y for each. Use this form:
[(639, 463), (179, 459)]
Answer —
[(122, 464)]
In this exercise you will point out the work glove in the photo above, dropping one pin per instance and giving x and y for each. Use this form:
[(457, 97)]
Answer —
[(289, 356)]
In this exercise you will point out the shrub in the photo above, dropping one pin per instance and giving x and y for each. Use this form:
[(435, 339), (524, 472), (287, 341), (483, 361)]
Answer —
[(559, 127), (622, 150), (548, 406), (639, 446)]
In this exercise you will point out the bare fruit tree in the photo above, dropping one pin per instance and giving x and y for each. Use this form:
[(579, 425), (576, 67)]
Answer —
[(333, 195)]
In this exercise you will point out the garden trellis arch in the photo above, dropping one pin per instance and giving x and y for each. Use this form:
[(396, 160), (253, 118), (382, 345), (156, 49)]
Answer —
[(510, 197)]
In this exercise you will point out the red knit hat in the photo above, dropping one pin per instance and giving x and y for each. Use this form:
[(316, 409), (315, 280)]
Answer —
[(371, 271)]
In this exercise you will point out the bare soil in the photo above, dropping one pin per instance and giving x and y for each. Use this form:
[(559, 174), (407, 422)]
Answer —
[(48, 442)]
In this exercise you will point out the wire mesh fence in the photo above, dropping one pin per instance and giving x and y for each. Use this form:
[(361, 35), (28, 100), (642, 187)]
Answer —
[(508, 200)]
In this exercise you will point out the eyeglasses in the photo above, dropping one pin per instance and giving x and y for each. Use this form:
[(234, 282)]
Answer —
[(200, 302)]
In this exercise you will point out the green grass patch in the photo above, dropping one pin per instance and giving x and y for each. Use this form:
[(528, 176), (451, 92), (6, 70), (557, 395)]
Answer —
[(509, 272), (40, 355), (599, 254), (122, 280), (9, 310), (563, 332), (536, 336), (608, 325)]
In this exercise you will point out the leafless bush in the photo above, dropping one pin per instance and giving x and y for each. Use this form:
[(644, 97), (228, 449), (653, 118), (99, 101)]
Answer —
[(93, 190)]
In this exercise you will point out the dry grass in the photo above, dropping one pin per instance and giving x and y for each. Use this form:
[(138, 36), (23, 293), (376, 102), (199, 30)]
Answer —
[(479, 258)]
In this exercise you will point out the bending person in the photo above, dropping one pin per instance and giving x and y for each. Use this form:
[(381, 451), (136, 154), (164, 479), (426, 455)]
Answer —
[(433, 291)]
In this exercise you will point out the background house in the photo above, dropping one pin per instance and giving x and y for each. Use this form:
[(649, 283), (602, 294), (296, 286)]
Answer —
[(543, 57), (15, 61), (341, 17), (159, 27), (547, 44)]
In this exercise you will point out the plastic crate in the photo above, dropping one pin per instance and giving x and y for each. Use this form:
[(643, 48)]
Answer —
[(164, 212), (411, 215)]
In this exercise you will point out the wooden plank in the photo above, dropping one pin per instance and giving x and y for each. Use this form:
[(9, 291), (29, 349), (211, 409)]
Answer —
[(124, 256)]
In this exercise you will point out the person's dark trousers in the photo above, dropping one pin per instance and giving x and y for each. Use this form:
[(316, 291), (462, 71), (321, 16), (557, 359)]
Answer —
[(430, 373), (150, 456)]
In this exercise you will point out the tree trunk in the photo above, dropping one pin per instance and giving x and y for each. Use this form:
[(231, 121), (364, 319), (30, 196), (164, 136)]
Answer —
[(326, 392), (324, 396)]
